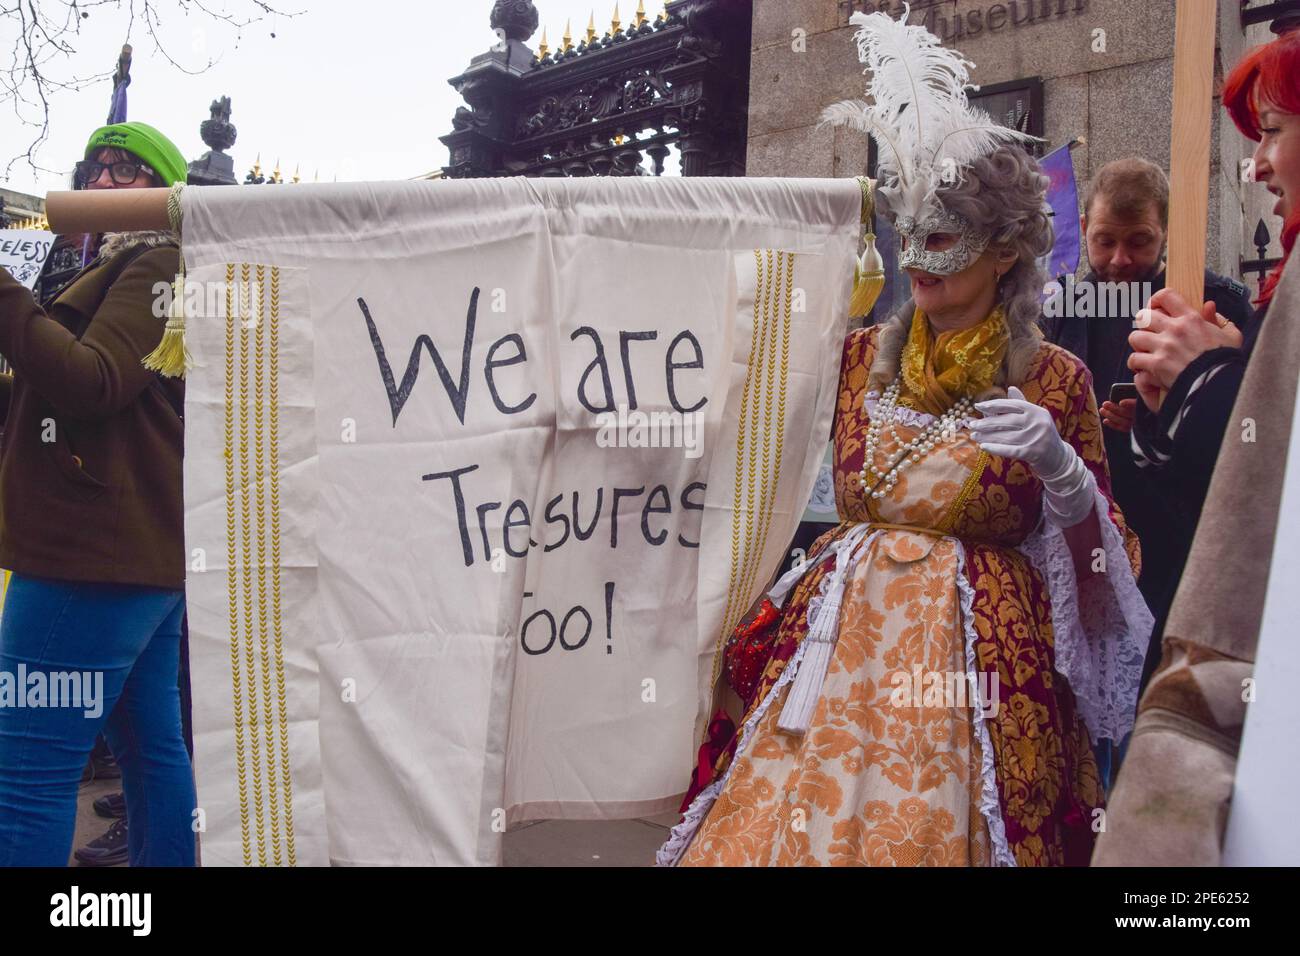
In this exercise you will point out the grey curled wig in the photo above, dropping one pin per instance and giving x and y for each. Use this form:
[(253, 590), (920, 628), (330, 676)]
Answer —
[(1003, 193)]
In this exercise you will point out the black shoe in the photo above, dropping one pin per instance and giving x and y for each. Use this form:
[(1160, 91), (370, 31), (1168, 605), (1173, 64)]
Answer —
[(109, 850), (106, 767), (112, 806)]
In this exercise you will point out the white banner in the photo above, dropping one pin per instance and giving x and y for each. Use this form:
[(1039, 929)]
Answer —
[(476, 474), (23, 253), (1262, 829)]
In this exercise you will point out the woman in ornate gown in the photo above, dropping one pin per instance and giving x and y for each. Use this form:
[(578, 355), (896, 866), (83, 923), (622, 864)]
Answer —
[(925, 689)]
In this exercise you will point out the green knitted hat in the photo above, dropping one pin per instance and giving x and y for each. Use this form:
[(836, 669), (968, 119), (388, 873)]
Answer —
[(142, 140)]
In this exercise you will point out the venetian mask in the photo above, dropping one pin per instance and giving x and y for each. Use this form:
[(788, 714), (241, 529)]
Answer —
[(917, 252)]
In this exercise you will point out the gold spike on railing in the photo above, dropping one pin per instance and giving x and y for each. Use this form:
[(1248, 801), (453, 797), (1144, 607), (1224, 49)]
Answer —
[(591, 28), (567, 39), (543, 48), (615, 25), (640, 13)]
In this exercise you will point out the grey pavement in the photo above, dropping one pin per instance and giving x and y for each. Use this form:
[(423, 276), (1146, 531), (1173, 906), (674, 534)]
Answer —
[(588, 842), (541, 843)]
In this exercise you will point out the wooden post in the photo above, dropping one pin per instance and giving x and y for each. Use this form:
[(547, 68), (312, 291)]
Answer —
[(1189, 166)]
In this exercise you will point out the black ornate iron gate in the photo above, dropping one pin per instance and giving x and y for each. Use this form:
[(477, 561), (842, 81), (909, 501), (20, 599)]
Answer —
[(608, 106)]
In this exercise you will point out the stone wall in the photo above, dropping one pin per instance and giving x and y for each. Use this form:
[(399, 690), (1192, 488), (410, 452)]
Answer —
[(1106, 67)]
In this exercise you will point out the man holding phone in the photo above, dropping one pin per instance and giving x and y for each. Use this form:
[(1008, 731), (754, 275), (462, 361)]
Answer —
[(1125, 220)]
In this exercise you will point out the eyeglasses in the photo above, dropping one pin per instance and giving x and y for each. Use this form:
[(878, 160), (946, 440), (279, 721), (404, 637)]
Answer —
[(123, 174)]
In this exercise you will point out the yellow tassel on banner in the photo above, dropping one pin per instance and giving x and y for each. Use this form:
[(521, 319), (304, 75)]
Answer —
[(172, 358), (868, 279), (868, 268)]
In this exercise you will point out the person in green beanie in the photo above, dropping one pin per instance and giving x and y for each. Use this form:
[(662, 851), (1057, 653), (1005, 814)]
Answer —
[(91, 529), (127, 150)]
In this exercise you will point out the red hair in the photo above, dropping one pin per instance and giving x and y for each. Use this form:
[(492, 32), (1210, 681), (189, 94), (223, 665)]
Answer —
[(1269, 73)]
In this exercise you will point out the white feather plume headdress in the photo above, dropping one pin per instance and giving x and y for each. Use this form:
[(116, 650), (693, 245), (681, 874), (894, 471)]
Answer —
[(925, 129)]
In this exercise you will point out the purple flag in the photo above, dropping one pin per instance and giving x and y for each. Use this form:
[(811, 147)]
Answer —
[(121, 80), (117, 111), (1063, 197)]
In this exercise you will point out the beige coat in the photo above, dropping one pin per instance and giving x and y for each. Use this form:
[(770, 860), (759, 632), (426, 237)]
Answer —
[(1170, 802)]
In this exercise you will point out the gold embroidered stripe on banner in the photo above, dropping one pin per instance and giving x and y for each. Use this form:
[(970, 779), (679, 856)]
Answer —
[(246, 544), (754, 478), (263, 637), (232, 584), (751, 477), (282, 709), (254, 634), (767, 494), (754, 353)]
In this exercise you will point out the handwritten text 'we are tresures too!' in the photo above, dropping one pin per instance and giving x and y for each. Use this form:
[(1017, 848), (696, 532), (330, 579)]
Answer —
[(617, 424)]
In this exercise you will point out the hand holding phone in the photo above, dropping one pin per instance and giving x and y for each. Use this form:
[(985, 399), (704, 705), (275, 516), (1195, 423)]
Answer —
[(1122, 391), (1119, 412)]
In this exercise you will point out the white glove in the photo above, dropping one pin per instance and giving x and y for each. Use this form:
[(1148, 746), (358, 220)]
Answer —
[(1014, 428)]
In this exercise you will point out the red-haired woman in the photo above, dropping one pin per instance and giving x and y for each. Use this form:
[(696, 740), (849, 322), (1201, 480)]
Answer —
[(1172, 802), (1188, 362)]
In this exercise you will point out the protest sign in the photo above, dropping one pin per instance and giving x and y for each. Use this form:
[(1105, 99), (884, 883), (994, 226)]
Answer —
[(477, 473), (23, 252)]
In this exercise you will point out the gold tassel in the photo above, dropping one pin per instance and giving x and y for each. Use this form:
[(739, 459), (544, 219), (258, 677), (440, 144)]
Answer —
[(868, 279), (868, 268), (172, 358)]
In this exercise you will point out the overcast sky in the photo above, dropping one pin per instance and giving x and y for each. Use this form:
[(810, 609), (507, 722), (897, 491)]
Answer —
[(346, 89)]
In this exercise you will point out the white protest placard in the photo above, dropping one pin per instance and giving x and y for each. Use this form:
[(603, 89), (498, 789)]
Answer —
[(1262, 828), (24, 251), (476, 474)]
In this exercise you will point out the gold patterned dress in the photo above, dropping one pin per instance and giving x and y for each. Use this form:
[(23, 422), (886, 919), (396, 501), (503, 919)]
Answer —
[(971, 663)]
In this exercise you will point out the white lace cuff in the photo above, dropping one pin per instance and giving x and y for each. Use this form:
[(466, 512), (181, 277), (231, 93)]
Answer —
[(1102, 626)]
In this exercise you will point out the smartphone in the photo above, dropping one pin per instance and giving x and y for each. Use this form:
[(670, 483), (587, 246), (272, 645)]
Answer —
[(1122, 390)]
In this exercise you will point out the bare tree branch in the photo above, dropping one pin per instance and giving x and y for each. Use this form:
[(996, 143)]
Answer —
[(37, 67)]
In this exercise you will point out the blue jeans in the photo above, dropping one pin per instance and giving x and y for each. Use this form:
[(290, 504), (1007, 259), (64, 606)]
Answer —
[(127, 640)]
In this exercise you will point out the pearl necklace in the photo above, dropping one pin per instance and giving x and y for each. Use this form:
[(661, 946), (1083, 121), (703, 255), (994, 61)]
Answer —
[(942, 429)]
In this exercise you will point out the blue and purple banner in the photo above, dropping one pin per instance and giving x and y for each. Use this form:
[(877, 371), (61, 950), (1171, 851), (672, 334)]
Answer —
[(1063, 197), (117, 106)]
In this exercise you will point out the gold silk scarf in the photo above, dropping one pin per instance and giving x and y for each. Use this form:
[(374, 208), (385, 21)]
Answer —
[(938, 370)]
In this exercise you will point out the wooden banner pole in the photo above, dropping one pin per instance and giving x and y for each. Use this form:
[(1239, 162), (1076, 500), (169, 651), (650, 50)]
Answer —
[(1189, 166)]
